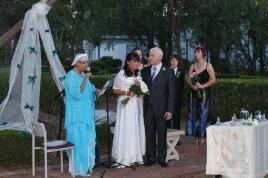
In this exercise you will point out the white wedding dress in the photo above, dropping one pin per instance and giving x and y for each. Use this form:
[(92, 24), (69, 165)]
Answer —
[(129, 134)]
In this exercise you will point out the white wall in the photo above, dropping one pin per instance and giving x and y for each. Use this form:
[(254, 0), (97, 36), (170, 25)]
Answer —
[(116, 50)]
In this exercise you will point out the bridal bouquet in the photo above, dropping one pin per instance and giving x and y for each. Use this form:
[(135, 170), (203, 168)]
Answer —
[(139, 88), (195, 79)]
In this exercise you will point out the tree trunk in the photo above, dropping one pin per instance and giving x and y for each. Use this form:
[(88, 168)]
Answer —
[(262, 63), (169, 44), (150, 39), (175, 27), (255, 53), (9, 35), (214, 55), (186, 45)]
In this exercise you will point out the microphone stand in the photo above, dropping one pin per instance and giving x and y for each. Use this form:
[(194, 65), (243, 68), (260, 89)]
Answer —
[(60, 98)]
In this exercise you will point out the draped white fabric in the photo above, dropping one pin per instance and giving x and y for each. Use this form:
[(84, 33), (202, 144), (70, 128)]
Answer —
[(21, 105), (238, 151)]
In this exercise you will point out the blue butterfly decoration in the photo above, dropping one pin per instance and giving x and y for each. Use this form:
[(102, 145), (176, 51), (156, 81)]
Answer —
[(31, 79), (27, 106), (54, 53), (61, 78), (32, 50)]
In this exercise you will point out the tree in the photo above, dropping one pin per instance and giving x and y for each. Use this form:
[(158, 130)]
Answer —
[(11, 14)]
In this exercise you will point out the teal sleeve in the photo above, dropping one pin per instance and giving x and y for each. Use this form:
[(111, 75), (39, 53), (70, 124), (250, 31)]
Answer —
[(73, 87)]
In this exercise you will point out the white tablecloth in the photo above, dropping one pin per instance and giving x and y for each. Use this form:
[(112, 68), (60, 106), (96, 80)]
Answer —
[(238, 151)]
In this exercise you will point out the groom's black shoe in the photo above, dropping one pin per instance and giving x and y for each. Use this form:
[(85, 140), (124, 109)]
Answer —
[(163, 164), (149, 163)]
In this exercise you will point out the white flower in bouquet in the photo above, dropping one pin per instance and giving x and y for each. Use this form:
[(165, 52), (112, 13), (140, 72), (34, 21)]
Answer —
[(139, 88), (144, 87)]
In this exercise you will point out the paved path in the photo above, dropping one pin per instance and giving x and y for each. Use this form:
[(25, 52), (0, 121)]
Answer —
[(191, 165)]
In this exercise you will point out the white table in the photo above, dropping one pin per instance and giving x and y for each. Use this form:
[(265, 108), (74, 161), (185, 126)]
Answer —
[(238, 151)]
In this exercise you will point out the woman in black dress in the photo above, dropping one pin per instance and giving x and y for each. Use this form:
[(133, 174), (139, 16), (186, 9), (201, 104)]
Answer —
[(201, 77)]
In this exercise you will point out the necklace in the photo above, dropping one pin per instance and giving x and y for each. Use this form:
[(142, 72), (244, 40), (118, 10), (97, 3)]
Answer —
[(198, 68)]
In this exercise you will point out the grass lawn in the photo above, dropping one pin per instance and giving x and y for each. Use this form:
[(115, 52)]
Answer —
[(16, 149)]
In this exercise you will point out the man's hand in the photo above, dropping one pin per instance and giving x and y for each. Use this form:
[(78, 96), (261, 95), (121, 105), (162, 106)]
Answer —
[(168, 116)]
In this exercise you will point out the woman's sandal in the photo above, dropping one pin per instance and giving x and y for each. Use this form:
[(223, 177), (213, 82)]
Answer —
[(196, 142), (202, 142)]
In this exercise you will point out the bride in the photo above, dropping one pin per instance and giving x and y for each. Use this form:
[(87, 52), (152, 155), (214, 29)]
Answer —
[(129, 136)]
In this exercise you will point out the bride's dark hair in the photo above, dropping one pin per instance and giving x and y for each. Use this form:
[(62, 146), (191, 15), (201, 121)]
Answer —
[(131, 57)]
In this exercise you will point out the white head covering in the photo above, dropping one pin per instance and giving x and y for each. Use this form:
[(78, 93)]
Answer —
[(80, 57)]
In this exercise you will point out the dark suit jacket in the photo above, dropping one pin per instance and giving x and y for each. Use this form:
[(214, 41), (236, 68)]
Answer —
[(161, 96)]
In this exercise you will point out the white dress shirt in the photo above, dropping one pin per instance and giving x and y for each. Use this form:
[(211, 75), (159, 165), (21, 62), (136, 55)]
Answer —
[(175, 70)]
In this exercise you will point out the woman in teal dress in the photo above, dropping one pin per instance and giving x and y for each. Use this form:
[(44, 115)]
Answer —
[(80, 116)]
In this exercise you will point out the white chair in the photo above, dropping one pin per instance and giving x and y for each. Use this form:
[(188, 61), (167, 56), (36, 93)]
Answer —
[(173, 137), (39, 130)]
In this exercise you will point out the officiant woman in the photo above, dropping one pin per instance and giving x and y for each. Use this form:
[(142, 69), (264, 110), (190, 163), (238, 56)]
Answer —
[(79, 115)]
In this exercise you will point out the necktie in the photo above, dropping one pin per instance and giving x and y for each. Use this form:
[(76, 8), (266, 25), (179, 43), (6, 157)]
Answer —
[(154, 72)]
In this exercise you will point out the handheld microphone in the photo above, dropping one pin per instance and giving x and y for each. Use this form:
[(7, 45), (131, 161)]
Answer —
[(88, 70)]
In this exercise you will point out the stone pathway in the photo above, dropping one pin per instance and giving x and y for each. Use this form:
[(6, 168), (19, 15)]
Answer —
[(191, 165)]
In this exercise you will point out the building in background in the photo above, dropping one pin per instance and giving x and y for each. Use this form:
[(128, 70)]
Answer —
[(119, 46), (116, 46)]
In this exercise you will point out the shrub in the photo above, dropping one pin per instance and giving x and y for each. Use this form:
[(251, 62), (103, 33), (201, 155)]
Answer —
[(49, 92), (239, 76), (106, 65), (222, 65), (16, 149), (230, 95)]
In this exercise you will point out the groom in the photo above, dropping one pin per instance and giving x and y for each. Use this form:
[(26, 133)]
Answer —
[(158, 106)]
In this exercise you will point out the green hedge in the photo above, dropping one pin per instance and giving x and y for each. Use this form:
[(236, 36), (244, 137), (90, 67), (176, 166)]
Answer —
[(239, 76), (49, 92), (106, 65), (228, 95), (16, 149)]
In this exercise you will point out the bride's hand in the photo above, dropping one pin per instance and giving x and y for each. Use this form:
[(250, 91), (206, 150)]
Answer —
[(131, 93)]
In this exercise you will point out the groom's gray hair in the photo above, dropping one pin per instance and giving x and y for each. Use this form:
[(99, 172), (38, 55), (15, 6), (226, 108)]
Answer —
[(158, 51)]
